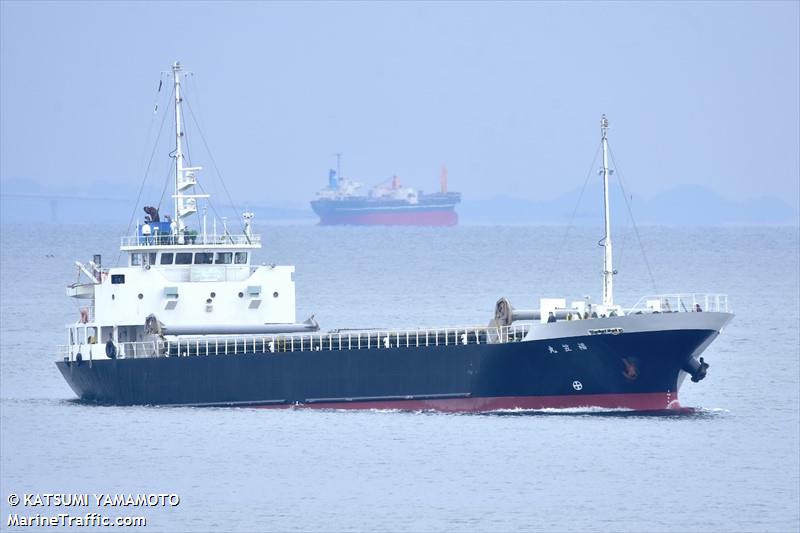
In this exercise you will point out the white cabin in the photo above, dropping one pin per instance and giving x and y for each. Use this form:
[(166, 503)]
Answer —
[(179, 281)]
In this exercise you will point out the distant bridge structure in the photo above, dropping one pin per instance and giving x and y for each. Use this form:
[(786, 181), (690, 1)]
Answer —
[(54, 199)]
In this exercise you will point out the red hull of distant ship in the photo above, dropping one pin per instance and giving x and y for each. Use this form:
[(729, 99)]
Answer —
[(424, 218), (437, 209)]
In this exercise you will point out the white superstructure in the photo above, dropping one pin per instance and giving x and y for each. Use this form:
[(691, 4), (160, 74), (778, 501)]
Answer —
[(181, 281)]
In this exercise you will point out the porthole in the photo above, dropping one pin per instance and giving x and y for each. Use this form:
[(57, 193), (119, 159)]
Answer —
[(275, 294), (209, 300), (241, 295), (141, 295), (112, 296), (213, 294)]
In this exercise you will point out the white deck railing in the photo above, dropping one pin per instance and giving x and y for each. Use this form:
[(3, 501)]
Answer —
[(682, 302), (97, 350), (199, 239), (303, 342)]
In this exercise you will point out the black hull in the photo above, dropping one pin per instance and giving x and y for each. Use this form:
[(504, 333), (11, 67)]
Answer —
[(636, 370)]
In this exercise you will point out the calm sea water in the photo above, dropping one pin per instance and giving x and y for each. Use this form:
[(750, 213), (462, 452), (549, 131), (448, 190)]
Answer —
[(732, 466)]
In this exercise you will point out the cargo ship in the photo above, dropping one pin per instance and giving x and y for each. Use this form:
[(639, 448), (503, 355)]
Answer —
[(387, 204), (192, 319)]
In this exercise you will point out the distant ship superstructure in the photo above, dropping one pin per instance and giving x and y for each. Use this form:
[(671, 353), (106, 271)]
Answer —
[(392, 204)]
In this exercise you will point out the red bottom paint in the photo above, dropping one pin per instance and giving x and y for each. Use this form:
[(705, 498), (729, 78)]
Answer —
[(657, 401), (419, 218)]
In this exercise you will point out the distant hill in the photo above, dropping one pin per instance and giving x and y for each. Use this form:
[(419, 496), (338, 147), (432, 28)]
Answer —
[(686, 205)]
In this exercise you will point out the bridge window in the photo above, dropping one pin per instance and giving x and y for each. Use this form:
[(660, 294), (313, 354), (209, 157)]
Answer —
[(241, 258), (224, 258), (183, 258), (166, 258), (136, 259), (117, 279), (203, 258)]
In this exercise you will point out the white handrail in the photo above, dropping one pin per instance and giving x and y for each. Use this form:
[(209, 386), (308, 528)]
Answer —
[(331, 341), (172, 240), (681, 302)]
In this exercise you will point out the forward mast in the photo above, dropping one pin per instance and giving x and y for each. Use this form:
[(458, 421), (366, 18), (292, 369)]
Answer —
[(608, 259)]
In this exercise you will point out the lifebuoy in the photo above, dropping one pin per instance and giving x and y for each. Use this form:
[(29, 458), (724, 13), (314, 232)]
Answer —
[(78, 358), (111, 350)]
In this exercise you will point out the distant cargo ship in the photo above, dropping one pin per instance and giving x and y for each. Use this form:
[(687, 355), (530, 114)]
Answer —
[(385, 204)]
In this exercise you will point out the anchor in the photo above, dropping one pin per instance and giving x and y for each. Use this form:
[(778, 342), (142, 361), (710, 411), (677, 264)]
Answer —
[(696, 369)]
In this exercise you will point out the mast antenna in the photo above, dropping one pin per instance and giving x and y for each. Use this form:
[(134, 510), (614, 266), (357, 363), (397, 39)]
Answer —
[(608, 266), (176, 75), (185, 177)]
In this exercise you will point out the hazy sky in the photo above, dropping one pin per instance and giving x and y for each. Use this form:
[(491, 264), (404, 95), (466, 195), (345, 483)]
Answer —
[(507, 95)]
